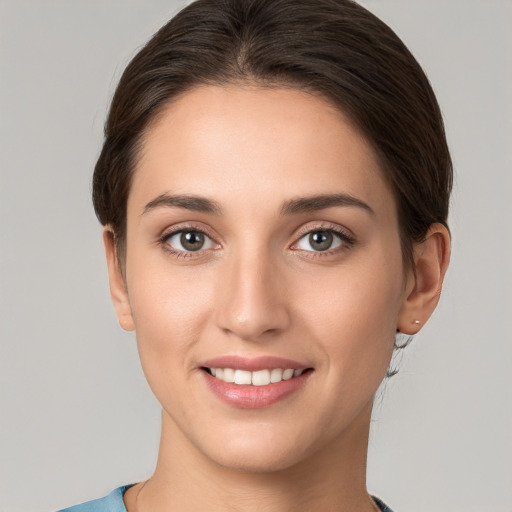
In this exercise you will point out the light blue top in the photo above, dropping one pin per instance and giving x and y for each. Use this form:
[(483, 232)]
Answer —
[(111, 503), (114, 503)]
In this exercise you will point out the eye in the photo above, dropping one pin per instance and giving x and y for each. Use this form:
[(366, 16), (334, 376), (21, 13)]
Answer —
[(189, 240), (321, 240)]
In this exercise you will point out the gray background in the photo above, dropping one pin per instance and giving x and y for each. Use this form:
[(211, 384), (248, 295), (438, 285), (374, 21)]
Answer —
[(77, 418)]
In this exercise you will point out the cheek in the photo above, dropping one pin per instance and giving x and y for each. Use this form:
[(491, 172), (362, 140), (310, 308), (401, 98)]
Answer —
[(170, 310), (353, 314), (169, 316)]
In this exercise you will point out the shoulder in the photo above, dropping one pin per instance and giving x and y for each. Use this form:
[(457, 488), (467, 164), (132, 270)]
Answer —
[(382, 506), (111, 503), (114, 503)]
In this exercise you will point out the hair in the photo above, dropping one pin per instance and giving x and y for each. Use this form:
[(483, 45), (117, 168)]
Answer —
[(334, 48)]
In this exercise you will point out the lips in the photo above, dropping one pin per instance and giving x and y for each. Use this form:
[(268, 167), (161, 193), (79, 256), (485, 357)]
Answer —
[(254, 383), (252, 364)]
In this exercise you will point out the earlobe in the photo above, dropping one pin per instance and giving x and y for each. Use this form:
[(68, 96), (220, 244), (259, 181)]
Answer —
[(117, 282), (431, 258)]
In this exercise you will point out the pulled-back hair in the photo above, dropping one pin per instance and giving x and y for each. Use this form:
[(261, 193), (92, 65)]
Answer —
[(334, 48)]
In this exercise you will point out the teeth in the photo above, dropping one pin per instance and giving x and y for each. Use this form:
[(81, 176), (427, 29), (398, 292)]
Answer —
[(242, 377), (261, 378), (287, 374), (258, 378), (276, 375), (229, 375)]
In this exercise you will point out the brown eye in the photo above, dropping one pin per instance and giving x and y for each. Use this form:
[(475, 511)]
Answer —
[(321, 240), (189, 241), (192, 240)]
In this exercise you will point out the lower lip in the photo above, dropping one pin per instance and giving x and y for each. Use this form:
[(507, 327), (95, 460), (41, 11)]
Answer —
[(254, 397)]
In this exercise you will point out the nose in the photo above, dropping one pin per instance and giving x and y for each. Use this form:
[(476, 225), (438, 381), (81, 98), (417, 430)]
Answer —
[(252, 301)]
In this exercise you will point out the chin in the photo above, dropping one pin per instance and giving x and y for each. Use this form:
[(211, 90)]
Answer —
[(252, 453), (256, 461)]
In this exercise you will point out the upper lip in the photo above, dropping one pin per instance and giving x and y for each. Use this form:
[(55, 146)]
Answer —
[(252, 364)]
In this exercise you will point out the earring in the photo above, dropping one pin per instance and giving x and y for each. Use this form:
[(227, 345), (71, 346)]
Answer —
[(416, 322)]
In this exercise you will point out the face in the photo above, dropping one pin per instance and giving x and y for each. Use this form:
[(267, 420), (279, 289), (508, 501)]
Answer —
[(262, 241)]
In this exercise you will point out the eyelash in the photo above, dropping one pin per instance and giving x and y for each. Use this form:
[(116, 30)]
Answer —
[(163, 241), (347, 240)]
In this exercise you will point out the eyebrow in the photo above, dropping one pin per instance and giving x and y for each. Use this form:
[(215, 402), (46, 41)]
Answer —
[(319, 202), (188, 202), (294, 206)]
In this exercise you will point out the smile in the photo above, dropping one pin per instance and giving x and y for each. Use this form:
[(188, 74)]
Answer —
[(256, 378), (254, 383)]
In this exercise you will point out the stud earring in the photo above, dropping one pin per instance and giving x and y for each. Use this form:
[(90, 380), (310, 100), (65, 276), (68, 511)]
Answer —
[(416, 322)]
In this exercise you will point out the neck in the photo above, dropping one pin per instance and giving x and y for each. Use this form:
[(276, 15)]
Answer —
[(334, 478)]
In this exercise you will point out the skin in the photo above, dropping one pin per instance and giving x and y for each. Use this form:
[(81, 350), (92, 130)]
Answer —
[(258, 287)]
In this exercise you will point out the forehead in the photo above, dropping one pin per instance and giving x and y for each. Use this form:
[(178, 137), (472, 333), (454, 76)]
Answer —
[(244, 143)]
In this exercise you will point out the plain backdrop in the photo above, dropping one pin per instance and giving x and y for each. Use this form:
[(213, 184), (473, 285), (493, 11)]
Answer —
[(77, 418)]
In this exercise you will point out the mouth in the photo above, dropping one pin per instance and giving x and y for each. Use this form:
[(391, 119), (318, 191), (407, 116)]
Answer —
[(255, 378), (256, 382)]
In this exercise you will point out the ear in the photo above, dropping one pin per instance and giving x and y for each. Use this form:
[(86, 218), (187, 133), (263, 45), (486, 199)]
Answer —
[(118, 290), (425, 281)]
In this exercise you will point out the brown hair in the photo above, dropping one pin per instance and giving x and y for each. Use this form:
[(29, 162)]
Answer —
[(332, 47)]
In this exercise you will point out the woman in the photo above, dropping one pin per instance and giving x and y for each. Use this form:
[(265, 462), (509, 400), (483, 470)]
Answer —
[(274, 188)]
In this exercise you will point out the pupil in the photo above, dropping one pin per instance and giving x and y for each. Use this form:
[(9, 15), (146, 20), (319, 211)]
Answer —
[(321, 240), (192, 240)]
